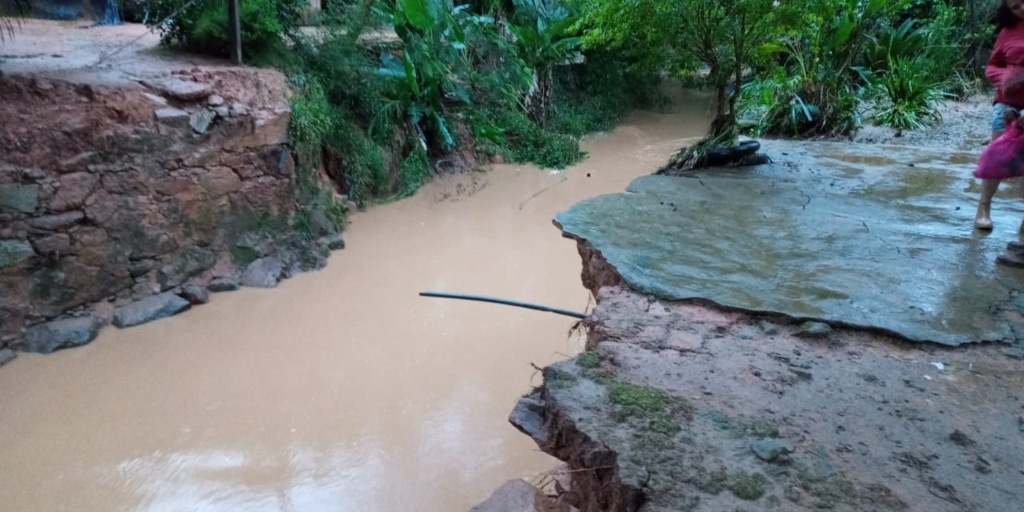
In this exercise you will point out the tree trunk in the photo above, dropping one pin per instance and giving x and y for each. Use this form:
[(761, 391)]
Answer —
[(723, 128), (538, 100)]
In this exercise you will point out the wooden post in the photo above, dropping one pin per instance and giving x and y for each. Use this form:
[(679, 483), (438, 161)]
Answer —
[(235, 32)]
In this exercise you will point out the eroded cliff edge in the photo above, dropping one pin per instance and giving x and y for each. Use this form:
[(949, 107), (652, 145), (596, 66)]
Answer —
[(682, 405), (125, 202)]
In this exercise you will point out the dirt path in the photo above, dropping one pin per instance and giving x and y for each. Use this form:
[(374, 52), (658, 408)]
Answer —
[(80, 52)]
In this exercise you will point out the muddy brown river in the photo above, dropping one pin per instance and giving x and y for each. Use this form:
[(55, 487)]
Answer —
[(341, 390)]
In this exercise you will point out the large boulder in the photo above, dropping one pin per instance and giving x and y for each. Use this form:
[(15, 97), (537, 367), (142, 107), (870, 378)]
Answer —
[(518, 496), (149, 309), (263, 273), (66, 333)]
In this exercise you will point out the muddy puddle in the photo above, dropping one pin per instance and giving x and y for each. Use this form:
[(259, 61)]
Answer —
[(341, 390)]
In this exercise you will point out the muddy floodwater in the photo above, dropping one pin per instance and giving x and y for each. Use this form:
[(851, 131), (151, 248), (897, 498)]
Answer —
[(341, 390)]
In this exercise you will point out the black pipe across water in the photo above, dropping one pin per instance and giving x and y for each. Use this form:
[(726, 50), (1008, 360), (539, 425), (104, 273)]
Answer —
[(494, 300)]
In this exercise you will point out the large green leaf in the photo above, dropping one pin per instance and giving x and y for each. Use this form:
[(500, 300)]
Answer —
[(443, 128), (842, 34), (410, 74), (417, 12)]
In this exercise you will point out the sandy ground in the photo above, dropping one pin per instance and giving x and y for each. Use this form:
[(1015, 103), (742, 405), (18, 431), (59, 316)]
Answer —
[(965, 126)]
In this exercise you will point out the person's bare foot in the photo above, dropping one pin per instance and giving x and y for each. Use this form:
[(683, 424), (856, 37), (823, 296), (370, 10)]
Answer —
[(982, 219)]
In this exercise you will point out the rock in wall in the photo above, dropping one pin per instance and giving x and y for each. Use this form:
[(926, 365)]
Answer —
[(114, 194)]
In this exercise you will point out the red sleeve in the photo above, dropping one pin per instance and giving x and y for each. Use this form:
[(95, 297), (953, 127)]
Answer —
[(995, 70)]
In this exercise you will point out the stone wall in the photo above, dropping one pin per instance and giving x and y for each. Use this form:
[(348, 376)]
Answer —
[(121, 204)]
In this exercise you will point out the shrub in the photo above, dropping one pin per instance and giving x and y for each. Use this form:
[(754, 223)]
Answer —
[(910, 100), (511, 132), (203, 27)]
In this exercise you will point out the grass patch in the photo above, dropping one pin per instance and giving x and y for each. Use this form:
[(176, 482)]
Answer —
[(599, 376), (520, 140), (715, 482), (558, 379), (414, 172), (588, 359), (748, 487), (647, 404)]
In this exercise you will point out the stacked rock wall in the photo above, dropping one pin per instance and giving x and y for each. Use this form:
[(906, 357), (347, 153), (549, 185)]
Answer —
[(127, 203)]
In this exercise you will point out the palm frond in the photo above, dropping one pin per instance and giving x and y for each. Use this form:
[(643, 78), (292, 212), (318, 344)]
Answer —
[(11, 12)]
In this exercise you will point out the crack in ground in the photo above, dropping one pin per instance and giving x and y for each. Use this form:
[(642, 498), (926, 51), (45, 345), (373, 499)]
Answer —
[(805, 194)]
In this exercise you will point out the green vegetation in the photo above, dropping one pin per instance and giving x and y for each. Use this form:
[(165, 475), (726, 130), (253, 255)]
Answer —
[(711, 483), (558, 379), (898, 59), (526, 79), (802, 68), (463, 82), (202, 27), (651, 405), (588, 359), (746, 486)]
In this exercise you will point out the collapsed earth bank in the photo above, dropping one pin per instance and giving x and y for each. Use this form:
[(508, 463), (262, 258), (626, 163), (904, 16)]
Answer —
[(682, 405)]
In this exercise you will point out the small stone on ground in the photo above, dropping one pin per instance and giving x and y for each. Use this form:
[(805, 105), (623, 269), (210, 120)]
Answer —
[(769, 449), (7, 355), (223, 284), (814, 330), (195, 294)]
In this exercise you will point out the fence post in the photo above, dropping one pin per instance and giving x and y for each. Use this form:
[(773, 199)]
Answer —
[(235, 32)]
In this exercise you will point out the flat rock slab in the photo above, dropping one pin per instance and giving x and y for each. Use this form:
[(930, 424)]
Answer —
[(518, 496), (180, 89), (149, 309), (864, 235)]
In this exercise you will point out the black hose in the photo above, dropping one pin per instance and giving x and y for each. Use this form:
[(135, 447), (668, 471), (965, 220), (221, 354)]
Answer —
[(480, 298)]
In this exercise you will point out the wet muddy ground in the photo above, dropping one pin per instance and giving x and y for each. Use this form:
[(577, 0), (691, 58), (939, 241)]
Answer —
[(684, 407)]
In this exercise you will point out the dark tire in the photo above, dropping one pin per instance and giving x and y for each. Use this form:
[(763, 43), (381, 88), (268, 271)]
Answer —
[(723, 156)]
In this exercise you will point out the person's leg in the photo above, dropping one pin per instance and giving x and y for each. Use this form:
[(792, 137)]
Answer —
[(1001, 114), (982, 219)]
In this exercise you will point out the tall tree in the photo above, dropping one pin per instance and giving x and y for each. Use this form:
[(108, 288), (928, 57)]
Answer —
[(719, 38)]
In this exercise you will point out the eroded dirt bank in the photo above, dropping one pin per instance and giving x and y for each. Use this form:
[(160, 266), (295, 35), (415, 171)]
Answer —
[(682, 406)]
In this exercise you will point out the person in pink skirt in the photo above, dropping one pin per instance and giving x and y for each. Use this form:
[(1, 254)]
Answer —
[(1005, 70)]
